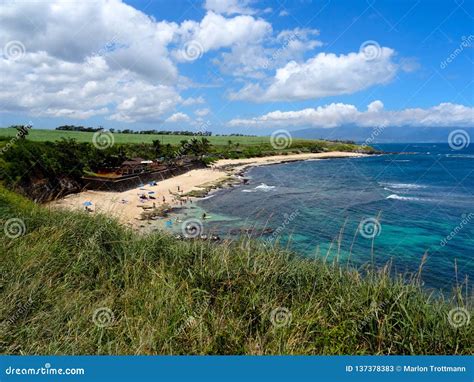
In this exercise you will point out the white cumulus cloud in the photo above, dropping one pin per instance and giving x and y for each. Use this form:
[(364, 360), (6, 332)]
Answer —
[(340, 114), (178, 117), (325, 74), (229, 7), (104, 57), (215, 32), (202, 112)]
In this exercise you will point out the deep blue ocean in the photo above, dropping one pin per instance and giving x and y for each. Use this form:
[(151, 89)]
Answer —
[(401, 205)]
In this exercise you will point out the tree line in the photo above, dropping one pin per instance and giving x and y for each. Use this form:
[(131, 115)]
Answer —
[(129, 131)]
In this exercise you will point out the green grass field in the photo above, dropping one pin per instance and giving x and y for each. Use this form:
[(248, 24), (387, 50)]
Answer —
[(54, 135)]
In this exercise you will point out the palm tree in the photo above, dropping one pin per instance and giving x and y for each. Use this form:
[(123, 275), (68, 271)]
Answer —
[(205, 145)]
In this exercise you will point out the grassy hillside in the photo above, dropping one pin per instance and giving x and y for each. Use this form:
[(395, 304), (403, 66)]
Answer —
[(78, 284), (40, 135)]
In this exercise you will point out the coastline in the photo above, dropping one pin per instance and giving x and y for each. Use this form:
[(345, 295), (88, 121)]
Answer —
[(179, 191)]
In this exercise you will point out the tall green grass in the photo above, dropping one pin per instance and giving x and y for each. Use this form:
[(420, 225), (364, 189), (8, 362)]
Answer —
[(80, 284)]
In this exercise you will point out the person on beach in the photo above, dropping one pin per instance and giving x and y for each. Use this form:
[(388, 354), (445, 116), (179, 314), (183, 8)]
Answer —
[(164, 199)]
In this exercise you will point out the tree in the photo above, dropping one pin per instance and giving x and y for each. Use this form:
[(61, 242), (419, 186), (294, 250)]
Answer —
[(205, 146), (157, 148), (23, 131)]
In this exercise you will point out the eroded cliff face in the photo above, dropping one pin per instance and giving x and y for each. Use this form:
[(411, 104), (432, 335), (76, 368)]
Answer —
[(44, 190)]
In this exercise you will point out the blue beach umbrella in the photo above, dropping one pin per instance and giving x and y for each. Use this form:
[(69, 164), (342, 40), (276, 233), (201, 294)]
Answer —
[(87, 204)]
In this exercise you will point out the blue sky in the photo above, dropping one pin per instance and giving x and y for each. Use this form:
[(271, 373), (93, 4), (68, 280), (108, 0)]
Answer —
[(258, 65)]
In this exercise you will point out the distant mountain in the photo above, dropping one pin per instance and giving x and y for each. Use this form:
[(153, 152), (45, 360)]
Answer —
[(405, 134)]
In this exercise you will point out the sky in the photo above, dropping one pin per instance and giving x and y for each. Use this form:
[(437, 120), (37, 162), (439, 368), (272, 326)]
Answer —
[(237, 66)]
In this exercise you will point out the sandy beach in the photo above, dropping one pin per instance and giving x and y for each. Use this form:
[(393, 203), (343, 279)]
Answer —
[(128, 206)]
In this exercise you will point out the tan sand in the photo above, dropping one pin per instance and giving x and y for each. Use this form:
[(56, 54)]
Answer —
[(251, 162), (127, 206)]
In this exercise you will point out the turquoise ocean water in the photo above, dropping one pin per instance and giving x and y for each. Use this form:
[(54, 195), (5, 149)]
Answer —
[(404, 205)]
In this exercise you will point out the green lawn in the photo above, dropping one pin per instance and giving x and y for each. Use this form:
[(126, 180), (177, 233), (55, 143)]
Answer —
[(54, 135)]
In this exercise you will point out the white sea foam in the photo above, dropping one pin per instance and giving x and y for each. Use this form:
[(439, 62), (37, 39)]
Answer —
[(208, 197), (466, 156), (398, 197), (262, 187), (402, 186), (410, 198)]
